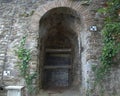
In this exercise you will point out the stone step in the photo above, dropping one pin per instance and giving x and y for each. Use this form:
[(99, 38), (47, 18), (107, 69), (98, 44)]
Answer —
[(65, 92)]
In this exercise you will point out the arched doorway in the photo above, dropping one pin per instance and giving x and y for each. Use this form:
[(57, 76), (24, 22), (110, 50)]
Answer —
[(59, 50), (69, 19)]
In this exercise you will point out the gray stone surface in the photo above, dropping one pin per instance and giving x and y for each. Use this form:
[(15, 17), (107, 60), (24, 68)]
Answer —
[(20, 17)]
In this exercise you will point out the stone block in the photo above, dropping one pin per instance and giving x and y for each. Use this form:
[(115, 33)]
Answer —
[(14, 90)]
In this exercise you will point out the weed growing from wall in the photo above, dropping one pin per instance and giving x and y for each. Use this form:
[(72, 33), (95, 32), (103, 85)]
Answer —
[(24, 57), (111, 39)]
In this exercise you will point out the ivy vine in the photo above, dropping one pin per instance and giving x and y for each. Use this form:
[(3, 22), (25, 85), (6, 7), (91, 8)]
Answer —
[(24, 57), (111, 38)]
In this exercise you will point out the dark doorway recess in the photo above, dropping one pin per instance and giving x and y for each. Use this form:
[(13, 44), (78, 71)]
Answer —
[(57, 68), (59, 54)]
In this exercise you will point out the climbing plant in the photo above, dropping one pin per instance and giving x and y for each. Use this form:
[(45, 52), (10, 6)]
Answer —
[(24, 57), (111, 38)]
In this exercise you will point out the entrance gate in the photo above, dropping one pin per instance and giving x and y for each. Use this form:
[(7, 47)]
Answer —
[(58, 62)]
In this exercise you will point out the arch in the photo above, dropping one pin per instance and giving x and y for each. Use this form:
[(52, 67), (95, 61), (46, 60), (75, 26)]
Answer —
[(43, 9), (73, 9), (61, 22)]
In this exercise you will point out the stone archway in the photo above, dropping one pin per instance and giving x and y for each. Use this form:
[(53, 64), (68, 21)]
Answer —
[(52, 18), (59, 40), (81, 11)]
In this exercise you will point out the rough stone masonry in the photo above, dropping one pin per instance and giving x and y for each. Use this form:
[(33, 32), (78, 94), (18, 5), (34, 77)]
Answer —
[(40, 19)]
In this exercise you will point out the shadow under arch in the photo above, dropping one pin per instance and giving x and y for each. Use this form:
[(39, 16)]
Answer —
[(63, 25)]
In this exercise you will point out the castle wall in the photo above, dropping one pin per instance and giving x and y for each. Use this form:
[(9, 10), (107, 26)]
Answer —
[(20, 17)]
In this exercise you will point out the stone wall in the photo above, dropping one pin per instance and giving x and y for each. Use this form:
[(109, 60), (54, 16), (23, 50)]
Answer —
[(20, 17), (14, 22)]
